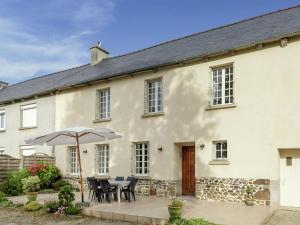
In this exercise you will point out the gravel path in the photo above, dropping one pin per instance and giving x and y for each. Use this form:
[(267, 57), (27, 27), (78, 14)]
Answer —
[(17, 217), (285, 217)]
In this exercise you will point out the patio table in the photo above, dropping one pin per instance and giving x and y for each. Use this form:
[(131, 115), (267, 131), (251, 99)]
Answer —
[(119, 185)]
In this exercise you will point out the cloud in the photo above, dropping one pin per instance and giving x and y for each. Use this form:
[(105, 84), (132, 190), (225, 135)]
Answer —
[(30, 47)]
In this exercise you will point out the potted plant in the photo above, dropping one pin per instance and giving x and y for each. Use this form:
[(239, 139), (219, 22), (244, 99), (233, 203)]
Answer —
[(31, 186), (250, 201), (175, 209)]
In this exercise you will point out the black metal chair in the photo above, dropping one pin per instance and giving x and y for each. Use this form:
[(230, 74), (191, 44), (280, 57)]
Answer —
[(97, 192), (129, 192), (119, 178), (108, 190), (89, 184)]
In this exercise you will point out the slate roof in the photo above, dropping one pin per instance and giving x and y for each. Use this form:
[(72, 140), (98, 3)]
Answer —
[(245, 33)]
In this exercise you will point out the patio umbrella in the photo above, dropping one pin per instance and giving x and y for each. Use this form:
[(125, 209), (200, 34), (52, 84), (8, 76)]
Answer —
[(75, 136)]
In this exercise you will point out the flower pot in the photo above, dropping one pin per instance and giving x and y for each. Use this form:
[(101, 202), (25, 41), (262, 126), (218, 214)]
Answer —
[(250, 202), (31, 196), (175, 212)]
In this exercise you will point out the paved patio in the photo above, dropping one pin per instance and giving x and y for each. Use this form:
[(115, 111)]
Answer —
[(154, 210)]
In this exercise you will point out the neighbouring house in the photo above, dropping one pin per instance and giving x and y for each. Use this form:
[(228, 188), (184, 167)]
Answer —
[(206, 115)]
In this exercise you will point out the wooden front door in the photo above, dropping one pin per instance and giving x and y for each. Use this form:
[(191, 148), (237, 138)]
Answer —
[(188, 170)]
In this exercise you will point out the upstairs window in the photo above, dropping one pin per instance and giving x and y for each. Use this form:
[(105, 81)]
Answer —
[(103, 159), (103, 101), (222, 85), (154, 95), (2, 120), (141, 151), (28, 116)]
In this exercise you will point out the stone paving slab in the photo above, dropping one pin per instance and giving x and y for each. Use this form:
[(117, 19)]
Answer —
[(154, 210)]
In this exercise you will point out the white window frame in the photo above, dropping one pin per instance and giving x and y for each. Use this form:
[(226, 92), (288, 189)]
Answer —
[(103, 152), (103, 111), (29, 107), (219, 148), (74, 163), (222, 82), (2, 150), (28, 148), (2, 115), (154, 96), (141, 164)]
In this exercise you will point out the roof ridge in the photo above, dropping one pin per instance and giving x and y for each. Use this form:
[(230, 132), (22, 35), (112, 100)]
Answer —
[(205, 31), (49, 74)]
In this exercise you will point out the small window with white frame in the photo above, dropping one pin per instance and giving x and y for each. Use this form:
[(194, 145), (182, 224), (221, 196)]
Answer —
[(74, 163), (2, 149), (2, 120), (154, 96), (141, 151), (103, 159), (103, 104), (220, 150), (28, 116), (27, 150), (222, 85)]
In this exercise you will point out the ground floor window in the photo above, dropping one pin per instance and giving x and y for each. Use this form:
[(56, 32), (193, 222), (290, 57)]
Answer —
[(74, 164), (220, 150), (27, 150), (141, 151), (103, 159), (2, 150)]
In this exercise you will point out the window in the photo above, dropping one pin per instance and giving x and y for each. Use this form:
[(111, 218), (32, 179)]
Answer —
[(154, 96), (28, 116), (103, 101), (2, 120), (222, 85), (141, 158), (103, 159), (27, 150), (221, 150), (2, 150), (74, 164)]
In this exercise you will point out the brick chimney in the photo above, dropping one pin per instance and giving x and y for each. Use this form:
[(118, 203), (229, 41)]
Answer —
[(3, 85), (98, 54)]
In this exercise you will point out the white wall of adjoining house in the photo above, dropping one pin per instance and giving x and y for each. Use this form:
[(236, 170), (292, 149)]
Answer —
[(14, 137), (265, 117)]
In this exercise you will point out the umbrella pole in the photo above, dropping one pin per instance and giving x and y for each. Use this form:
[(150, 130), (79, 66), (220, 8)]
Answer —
[(80, 174)]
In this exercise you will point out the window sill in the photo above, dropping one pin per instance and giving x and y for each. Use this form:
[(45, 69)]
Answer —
[(213, 107), (142, 177), (101, 120), (219, 162), (27, 128), (146, 115), (2, 131)]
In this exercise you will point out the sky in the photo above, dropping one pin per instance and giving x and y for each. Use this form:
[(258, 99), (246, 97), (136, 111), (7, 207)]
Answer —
[(40, 37)]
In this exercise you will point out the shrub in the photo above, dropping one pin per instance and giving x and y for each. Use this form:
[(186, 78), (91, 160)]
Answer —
[(6, 204), (2, 197), (190, 222), (66, 196), (176, 203), (60, 183), (48, 174), (19, 205), (51, 206), (13, 184), (72, 210), (31, 184), (33, 206)]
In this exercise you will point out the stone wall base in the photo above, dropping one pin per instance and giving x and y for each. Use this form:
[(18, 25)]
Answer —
[(233, 189), (144, 187)]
